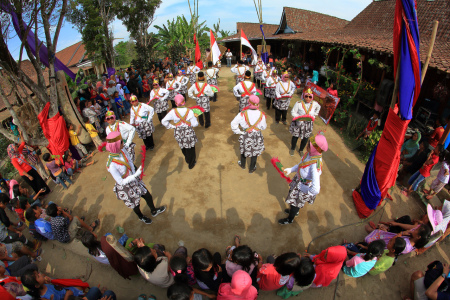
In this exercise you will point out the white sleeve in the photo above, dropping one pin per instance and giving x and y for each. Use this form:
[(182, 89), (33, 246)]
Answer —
[(191, 92), (236, 91), (316, 109), (151, 112), (277, 90), (185, 81), (294, 169), (165, 121), (178, 86), (165, 94), (118, 178), (263, 124), (132, 116), (314, 188), (295, 112), (131, 133), (193, 119), (208, 91), (233, 69), (235, 124), (293, 88)]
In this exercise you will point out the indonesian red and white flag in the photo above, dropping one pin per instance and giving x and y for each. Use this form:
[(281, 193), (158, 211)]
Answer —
[(245, 42), (215, 51)]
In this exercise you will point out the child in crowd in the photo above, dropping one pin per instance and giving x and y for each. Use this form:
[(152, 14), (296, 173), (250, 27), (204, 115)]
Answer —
[(39, 287), (394, 249), (371, 126), (241, 257), (146, 87), (442, 177), (93, 133), (94, 246), (72, 165), (276, 272), (207, 269), (152, 267), (73, 135), (361, 263), (120, 106), (301, 280), (423, 173), (56, 166), (239, 288)]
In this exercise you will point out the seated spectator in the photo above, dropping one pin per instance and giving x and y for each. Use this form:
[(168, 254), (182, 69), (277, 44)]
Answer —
[(413, 164), (415, 238), (241, 257), (9, 232), (361, 263), (332, 90), (39, 287), (302, 279), (65, 227), (277, 272), (239, 288), (90, 241), (154, 268), (15, 265), (23, 194), (431, 285), (39, 221), (410, 147), (371, 126), (328, 264), (394, 249), (183, 272), (56, 167), (95, 293), (207, 269), (73, 165)]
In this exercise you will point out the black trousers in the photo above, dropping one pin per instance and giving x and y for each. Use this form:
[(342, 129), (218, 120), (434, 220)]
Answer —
[(303, 143), (269, 102), (21, 265), (173, 103), (252, 161), (161, 115), (293, 210), (280, 114), (149, 199), (148, 142), (14, 237), (206, 121), (214, 98), (37, 183), (189, 156)]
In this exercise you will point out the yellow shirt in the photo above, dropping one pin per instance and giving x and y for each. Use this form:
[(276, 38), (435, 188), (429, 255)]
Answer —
[(73, 137), (91, 129)]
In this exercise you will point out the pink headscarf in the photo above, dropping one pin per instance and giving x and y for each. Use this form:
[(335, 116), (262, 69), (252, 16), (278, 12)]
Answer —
[(114, 140), (253, 102), (239, 288), (12, 183), (284, 77), (179, 100), (319, 142)]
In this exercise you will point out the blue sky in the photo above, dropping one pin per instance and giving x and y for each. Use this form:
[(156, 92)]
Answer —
[(229, 12)]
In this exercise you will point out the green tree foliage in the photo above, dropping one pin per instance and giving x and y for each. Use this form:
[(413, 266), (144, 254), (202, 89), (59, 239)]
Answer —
[(177, 37), (125, 53), (92, 19), (137, 16)]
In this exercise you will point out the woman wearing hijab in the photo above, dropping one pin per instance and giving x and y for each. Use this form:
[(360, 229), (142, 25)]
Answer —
[(30, 175), (305, 185), (410, 147), (328, 264), (239, 288), (129, 187)]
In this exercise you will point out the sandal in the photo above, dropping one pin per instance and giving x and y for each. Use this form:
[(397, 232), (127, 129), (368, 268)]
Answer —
[(239, 239), (142, 297), (96, 223), (372, 224), (152, 297)]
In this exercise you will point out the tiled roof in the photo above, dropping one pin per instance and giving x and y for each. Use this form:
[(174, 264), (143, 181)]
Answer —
[(71, 55), (373, 29), (301, 20), (252, 31)]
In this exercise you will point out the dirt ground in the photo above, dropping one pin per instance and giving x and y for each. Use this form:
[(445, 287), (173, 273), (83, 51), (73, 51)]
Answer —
[(208, 205)]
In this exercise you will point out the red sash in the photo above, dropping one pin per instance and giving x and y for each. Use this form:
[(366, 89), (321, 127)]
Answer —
[(182, 118), (200, 92), (246, 91)]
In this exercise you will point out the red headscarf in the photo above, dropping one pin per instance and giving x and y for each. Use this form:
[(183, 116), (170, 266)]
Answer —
[(328, 264)]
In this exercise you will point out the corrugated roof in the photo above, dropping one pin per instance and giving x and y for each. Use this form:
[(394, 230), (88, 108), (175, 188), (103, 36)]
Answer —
[(252, 31), (373, 29), (71, 55), (302, 20)]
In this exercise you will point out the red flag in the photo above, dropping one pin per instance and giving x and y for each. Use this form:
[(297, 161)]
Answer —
[(198, 54)]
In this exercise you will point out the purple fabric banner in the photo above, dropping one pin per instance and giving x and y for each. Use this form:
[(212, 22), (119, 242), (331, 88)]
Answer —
[(43, 51), (111, 71)]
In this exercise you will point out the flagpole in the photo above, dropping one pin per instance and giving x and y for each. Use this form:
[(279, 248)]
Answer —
[(430, 50), (240, 40), (397, 80)]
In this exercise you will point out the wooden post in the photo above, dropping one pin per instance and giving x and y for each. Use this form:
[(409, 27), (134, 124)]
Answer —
[(397, 79), (430, 50), (240, 41)]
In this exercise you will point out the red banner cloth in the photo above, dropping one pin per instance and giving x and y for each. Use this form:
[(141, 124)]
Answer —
[(55, 131), (361, 208), (387, 157), (198, 54), (70, 283)]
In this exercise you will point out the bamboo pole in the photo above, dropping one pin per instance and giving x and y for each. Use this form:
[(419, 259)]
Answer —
[(240, 41), (397, 80), (430, 50)]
